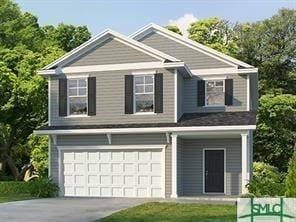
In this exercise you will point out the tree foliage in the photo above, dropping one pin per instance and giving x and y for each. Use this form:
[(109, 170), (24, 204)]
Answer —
[(275, 135), (215, 33), (26, 47), (291, 177), (174, 29), (270, 45)]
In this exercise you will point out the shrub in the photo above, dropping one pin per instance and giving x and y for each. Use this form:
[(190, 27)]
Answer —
[(43, 188), (267, 181), (13, 187), (291, 177), (5, 177)]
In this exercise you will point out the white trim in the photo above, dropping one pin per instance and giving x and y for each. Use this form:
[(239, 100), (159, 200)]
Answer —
[(206, 93), (61, 175), (77, 76), (145, 130), (190, 43), (69, 115), (119, 37), (203, 170), (47, 72), (163, 164), (134, 95), (214, 78), (109, 137), (49, 101), (113, 147), (49, 156), (222, 71), (168, 138), (244, 144), (174, 193), (248, 93), (144, 72), (176, 96), (114, 67)]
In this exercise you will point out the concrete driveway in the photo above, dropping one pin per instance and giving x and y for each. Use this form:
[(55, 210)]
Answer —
[(64, 209)]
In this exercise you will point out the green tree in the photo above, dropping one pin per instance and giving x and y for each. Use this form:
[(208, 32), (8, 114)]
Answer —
[(215, 33), (39, 154), (291, 177), (174, 28), (66, 37), (24, 48), (270, 45), (275, 135)]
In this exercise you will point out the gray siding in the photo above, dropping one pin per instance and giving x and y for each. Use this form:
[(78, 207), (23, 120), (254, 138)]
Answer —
[(239, 96), (180, 91), (168, 171), (111, 51), (194, 59), (192, 165), (254, 91), (110, 101)]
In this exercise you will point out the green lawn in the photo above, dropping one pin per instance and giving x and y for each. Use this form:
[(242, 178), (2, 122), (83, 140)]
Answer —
[(174, 212), (14, 197)]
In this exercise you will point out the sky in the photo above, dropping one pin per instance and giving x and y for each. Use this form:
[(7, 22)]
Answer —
[(128, 16)]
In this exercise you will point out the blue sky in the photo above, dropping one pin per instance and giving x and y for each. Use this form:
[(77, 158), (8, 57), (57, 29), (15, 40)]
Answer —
[(128, 16)]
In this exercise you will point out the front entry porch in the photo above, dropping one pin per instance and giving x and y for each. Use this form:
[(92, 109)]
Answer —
[(211, 164)]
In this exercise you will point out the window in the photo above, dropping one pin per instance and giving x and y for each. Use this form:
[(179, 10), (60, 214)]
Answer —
[(77, 96), (144, 93), (215, 92)]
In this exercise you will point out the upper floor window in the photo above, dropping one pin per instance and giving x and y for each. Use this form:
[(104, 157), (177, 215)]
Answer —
[(144, 93), (215, 93), (77, 96)]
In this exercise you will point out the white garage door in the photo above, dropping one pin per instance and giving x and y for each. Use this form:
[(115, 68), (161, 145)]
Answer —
[(113, 173)]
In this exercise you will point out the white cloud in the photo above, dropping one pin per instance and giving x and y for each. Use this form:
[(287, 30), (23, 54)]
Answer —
[(183, 22)]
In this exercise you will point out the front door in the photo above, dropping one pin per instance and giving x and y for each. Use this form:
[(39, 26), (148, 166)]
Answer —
[(214, 171)]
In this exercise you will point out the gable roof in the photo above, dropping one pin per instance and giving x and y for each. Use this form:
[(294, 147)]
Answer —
[(102, 37), (189, 43)]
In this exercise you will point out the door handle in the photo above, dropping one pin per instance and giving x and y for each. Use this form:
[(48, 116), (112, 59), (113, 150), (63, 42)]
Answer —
[(206, 173)]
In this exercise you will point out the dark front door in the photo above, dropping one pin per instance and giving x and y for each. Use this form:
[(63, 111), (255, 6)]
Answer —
[(214, 171)]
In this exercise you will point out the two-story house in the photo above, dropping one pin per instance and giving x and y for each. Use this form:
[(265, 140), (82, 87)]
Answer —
[(150, 115)]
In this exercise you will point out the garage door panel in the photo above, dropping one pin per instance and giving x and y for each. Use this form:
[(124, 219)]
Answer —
[(113, 173)]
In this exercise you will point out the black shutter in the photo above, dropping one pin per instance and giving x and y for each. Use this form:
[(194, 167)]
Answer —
[(62, 97), (200, 93), (158, 93), (229, 92), (129, 88), (91, 96)]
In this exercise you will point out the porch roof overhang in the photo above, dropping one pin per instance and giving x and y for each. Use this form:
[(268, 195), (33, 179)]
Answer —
[(199, 123)]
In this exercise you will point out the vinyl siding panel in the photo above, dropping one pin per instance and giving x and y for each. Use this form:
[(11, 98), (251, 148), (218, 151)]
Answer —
[(239, 96), (192, 164), (193, 58), (110, 101), (254, 91), (180, 91), (111, 51)]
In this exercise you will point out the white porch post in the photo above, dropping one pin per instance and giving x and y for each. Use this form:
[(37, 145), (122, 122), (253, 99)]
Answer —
[(245, 162), (174, 166)]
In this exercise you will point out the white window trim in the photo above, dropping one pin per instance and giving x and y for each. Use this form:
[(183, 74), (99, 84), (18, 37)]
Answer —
[(203, 171), (68, 98), (218, 105), (134, 96)]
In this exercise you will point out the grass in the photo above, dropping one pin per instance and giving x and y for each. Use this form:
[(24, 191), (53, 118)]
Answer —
[(15, 197), (174, 212)]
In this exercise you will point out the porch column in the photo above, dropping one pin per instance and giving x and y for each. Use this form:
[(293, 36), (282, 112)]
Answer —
[(245, 162), (174, 166)]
